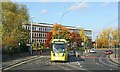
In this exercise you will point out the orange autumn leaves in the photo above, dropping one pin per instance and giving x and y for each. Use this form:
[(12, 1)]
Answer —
[(108, 37), (61, 31)]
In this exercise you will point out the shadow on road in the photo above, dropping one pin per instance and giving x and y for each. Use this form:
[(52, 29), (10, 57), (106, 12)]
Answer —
[(75, 59)]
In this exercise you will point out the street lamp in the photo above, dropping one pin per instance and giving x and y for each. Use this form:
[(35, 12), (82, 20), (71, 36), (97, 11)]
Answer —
[(19, 46), (83, 48), (96, 42), (115, 47), (58, 33), (31, 35), (110, 40)]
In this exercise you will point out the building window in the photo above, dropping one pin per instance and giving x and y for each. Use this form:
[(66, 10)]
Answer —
[(45, 28), (39, 28), (26, 28), (33, 28), (39, 34), (45, 35), (32, 34), (35, 34), (42, 35)]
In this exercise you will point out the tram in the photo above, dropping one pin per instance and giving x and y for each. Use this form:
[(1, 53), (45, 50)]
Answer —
[(59, 50)]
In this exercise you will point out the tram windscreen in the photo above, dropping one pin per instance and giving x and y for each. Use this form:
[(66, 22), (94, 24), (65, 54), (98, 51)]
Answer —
[(59, 47)]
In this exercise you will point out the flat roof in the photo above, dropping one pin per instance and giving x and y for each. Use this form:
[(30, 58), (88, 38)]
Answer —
[(50, 25)]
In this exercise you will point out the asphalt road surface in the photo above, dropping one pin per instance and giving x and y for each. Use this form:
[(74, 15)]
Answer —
[(96, 61)]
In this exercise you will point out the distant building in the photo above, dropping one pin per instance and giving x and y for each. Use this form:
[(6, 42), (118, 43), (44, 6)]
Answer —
[(40, 30)]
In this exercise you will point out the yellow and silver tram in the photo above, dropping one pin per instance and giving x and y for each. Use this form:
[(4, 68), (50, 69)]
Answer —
[(59, 50)]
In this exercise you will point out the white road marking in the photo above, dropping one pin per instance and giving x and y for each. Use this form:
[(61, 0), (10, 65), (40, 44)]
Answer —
[(106, 63), (21, 63), (76, 67), (111, 62), (64, 67)]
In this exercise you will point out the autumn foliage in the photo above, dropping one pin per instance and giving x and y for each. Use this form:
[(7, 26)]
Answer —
[(60, 31), (75, 37), (49, 37), (108, 38)]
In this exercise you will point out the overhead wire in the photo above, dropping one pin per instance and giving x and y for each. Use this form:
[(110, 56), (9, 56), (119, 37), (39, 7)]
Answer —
[(68, 10)]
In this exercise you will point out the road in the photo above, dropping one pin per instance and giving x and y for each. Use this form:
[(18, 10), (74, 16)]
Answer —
[(97, 61)]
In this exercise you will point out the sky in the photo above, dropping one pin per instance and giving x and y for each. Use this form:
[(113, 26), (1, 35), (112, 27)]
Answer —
[(93, 15)]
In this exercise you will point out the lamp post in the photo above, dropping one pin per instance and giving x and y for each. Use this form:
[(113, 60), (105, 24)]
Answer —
[(83, 48), (31, 36), (96, 42), (58, 33), (110, 36), (19, 46), (115, 47)]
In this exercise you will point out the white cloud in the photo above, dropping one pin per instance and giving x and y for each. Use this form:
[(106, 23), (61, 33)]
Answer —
[(79, 6), (44, 11)]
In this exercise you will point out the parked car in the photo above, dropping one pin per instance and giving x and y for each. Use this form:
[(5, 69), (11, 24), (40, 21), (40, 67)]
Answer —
[(108, 52), (92, 50)]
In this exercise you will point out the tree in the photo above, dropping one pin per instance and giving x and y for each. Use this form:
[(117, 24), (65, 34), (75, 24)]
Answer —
[(13, 17), (49, 37), (115, 37), (108, 37), (75, 37), (83, 36), (60, 31)]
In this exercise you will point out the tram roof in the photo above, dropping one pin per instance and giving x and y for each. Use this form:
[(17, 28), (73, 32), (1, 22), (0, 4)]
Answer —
[(59, 40)]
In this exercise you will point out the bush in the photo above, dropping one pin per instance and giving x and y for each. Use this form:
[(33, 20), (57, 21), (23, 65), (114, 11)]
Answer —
[(10, 51)]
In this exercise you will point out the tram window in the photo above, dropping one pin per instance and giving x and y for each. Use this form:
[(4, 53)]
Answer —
[(59, 47)]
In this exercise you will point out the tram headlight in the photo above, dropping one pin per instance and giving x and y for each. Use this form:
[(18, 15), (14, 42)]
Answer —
[(53, 54), (63, 54)]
